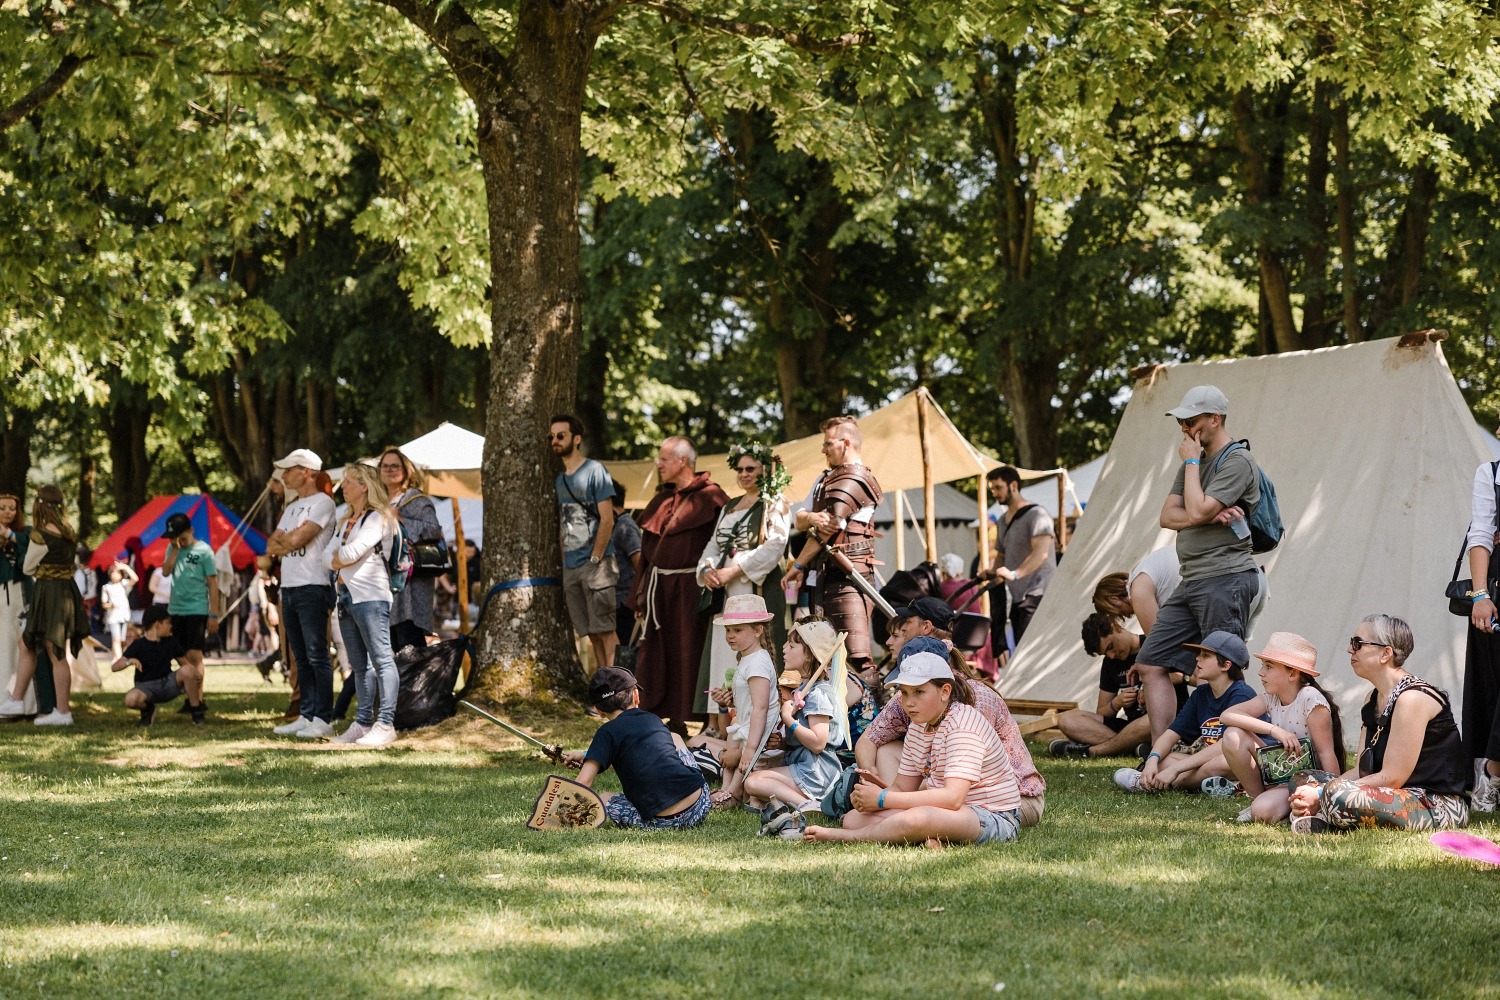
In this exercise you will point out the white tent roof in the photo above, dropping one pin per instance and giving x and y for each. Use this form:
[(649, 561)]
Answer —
[(452, 457), (1372, 451)]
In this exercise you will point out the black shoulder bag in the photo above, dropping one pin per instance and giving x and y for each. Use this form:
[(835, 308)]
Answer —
[(1459, 602)]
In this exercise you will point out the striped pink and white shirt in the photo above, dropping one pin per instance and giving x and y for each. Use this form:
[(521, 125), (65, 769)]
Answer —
[(965, 746)]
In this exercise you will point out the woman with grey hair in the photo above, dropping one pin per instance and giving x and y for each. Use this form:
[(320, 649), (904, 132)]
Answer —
[(1412, 771)]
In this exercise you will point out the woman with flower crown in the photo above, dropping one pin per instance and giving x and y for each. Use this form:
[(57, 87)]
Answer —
[(744, 557)]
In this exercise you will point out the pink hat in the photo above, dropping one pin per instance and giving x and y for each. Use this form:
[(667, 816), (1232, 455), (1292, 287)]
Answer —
[(1290, 650), (744, 609)]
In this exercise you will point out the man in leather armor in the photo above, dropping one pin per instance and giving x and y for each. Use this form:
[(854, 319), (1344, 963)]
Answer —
[(839, 512)]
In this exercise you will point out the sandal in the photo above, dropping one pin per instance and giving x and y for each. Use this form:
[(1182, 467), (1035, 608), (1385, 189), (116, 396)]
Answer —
[(720, 798)]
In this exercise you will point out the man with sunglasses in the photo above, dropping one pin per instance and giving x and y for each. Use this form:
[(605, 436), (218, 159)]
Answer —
[(1214, 491), (586, 519)]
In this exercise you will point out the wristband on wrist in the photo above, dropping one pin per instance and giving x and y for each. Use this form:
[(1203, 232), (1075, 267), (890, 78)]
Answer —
[(792, 728), (1190, 461), (880, 802), (798, 566), (1153, 753)]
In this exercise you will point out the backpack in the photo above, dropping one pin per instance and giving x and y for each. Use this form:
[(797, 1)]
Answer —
[(399, 560), (1266, 529)]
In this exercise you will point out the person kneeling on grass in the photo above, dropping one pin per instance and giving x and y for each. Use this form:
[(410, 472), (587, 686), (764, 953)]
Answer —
[(155, 681), (954, 784), (1295, 712), (1189, 754), (662, 789), (812, 727), (1119, 727)]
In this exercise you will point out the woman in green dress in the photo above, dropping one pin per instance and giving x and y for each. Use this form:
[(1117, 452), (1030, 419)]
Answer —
[(56, 620), (15, 591)]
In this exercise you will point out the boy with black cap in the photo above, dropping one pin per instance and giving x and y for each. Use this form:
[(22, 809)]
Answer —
[(662, 789), (927, 616), (195, 599), (1188, 754), (155, 680)]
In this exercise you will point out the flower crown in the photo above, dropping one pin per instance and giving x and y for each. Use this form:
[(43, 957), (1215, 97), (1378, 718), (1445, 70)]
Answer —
[(773, 478)]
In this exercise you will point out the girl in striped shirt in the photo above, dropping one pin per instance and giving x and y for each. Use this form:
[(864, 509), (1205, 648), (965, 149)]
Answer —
[(955, 783)]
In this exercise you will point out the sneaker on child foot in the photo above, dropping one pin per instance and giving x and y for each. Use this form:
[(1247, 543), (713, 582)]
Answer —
[(147, 714), (316, 729), (198, 711), (10, 708), (381, 734), (292, 728), (1128, 778), (1245, 816), (354, 732), (1486, 794), (1309, 824), (1218, 786), (1068, 748), (55, 718)]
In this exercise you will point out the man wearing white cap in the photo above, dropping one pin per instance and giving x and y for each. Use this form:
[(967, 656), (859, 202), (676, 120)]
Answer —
[(303, 532), (1216, 488)]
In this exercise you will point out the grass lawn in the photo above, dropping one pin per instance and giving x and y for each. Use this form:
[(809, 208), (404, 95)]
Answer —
[(223, 862)]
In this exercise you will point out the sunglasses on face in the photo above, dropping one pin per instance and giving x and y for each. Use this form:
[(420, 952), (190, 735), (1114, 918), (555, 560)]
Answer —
[(561, 437), (1356, 644)]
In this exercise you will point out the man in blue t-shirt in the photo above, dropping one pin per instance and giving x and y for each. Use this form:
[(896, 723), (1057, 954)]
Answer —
[(195, 599), (1188, 754), (585, 519)]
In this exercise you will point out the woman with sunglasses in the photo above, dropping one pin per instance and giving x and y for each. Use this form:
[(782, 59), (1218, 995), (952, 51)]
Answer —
[(744, 557), (1412, 772), (411, 609)]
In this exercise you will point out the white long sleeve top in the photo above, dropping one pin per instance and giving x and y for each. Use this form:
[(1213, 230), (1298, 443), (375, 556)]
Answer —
[(756, 561), (1482, 509), (360, 543)]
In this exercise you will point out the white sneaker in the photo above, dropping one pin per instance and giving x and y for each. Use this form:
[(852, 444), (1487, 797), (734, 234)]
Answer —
[(1129, 779), (55, 718), (382, 734), (316, 729), (1486, 794), (1245, 816), (292, 728), (354, 732), (10, 708)]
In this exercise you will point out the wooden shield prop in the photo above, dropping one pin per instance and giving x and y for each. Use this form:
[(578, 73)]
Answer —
[(566, 805)]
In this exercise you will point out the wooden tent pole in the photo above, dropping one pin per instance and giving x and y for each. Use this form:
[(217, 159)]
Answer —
[(461, 564), (929, 514), (1062, 512), (897, 498)]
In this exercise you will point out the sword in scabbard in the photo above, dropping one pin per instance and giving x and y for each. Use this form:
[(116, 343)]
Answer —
[(858, 579)]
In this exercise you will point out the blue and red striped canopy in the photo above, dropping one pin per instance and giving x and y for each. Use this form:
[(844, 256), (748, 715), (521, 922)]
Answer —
[(212, 522)]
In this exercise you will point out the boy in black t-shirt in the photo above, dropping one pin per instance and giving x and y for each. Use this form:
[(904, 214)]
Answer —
[(1118, 726), (152, 656), (662, 787)]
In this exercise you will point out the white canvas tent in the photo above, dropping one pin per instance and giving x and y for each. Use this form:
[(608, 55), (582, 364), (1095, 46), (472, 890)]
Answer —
[(1372, 450)]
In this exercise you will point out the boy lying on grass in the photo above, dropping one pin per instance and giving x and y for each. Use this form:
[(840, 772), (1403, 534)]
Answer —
[(1189, 754), (662, 787)]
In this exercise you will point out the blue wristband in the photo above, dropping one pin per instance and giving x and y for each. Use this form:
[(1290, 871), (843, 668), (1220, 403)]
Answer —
[(792, 728), (880, 802), (1153, 753), (1190, 461)]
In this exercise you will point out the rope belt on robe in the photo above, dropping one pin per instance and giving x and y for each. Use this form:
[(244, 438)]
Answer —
[(651, 590)]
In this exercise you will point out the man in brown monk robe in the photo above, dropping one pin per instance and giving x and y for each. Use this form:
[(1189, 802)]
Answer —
[(675, 528)]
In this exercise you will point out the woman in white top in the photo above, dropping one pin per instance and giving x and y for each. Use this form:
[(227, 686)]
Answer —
[(1481, 708), (363, 586), (744, 557)]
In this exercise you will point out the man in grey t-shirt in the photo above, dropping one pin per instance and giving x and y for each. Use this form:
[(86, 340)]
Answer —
[(1216, 487), (1027, 548)]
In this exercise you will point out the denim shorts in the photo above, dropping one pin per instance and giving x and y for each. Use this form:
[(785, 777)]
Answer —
[(997, 825)]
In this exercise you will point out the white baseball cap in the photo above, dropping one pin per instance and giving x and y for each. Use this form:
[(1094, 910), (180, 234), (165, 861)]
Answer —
[(301, 458), (1199, 400), (919, 668)]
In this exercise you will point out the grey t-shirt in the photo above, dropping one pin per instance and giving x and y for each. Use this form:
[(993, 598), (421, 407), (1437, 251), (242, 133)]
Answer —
[(1015, 540), (1209, 550)]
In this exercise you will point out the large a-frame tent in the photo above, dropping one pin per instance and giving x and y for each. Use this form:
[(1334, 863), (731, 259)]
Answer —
[(1372, 450)]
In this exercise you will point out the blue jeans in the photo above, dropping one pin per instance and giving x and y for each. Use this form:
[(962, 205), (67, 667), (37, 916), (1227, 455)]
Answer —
[(304, 611), (367, 639)]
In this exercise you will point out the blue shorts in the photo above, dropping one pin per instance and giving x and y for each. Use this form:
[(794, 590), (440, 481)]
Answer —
[(622, 812), (997, 826)]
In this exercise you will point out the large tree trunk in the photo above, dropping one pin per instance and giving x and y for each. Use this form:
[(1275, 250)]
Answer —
[(16, 426), (1317, 323), (1348, 278), (1400, 280), (88, 469), (1029, 387), (127, 454), (529, 147), (1261, 185)]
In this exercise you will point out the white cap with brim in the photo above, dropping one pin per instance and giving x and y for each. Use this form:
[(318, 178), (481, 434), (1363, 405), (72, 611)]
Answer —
[(1199, 400), (919, 668), (301, 458)]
